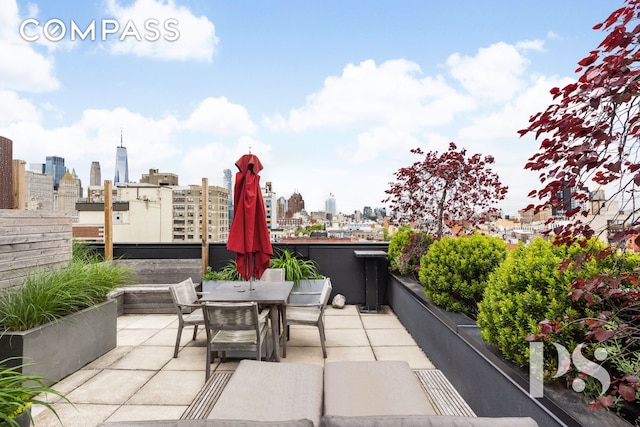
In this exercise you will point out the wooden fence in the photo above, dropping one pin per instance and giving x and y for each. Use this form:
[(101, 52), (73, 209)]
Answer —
[(30, 240)]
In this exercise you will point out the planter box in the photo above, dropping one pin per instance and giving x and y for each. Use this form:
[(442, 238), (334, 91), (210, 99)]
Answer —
[(491, 385), (62, 347)]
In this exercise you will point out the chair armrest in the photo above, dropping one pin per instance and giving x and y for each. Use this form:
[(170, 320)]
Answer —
[(305, 293), (263, 315), (196, 305), (202, 293)]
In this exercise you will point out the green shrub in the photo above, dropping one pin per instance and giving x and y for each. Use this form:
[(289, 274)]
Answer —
[(529, 287), (399, 239), (454, 271), (406, 248), (46, 295)]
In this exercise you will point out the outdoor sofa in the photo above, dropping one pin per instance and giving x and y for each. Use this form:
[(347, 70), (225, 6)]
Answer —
[(343, 394)]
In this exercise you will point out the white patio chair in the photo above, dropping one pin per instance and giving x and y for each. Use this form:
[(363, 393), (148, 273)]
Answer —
[(311, 314), (188, 308), (234, 326), (273, 275)]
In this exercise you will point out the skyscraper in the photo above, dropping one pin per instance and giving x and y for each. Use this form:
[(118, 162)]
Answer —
[(95, 176), (228, 184), (330, 205), (6, 174), (122, 165), (55, 167)]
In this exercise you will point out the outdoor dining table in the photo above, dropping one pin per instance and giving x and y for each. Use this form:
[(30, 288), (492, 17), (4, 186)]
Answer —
[(273, 294)]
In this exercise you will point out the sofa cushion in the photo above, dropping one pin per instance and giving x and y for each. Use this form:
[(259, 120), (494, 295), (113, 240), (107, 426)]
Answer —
[(373, 388), (266, 391), (208, 423), (424, 421)]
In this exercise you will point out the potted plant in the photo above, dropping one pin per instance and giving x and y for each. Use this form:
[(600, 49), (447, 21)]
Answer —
[(303, 273), (61, 319), (18, 392)]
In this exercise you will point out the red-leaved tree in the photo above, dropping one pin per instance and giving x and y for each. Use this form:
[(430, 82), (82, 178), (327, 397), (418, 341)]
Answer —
[(590, 137), (445, 190)]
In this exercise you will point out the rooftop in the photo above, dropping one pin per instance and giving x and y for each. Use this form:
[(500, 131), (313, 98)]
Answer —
[(140, 379)]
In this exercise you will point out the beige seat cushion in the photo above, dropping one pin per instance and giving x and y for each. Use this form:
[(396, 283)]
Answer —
[(373, 388), (268, 391)]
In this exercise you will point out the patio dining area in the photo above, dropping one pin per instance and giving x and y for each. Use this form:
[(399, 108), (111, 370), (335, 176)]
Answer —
[(140, 379)]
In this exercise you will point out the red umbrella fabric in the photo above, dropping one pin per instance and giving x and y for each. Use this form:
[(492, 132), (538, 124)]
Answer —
[(249, 234)]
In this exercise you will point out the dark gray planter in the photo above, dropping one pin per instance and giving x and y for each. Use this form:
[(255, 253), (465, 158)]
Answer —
[(62, 347), (492, 386)]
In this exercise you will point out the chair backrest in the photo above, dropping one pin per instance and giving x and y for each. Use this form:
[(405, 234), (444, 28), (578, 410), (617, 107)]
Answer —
[(231, 315), (326, 292), (273, 275), (183, 293)]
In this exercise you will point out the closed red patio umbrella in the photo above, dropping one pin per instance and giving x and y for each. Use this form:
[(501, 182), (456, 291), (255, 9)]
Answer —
[(249, 234)]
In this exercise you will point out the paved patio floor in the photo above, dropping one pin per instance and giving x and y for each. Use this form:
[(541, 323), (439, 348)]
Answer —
[(140, 379)]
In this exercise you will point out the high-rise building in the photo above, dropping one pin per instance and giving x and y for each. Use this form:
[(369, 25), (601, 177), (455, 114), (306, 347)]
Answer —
[(269, 198), (295, 204), (6, 174), (228, 184), (330, 205), (68, 194), (122, 164), (55, 167), (38, 191), (95, 176)]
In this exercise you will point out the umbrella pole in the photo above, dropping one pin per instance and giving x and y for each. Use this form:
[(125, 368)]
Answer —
[(252, 279)]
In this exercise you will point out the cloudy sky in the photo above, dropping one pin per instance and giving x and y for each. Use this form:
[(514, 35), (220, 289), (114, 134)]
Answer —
[(331, 95)]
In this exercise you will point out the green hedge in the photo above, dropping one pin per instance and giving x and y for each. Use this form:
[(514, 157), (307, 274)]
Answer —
[(454, 270)]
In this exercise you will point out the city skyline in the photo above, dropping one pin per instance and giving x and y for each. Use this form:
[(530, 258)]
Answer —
[(331, 96)]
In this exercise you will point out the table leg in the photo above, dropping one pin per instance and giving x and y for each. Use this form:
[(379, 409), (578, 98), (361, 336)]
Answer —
[(283, 334), (275, 331)]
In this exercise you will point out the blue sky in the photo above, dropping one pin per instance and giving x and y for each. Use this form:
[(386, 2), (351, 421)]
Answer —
[(331, 95)]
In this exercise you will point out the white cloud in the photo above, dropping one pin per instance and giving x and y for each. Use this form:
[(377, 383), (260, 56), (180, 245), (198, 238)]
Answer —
[(33, 72), (13, 109), (219, 116), (394, 95), (493, 75), (196, 39)]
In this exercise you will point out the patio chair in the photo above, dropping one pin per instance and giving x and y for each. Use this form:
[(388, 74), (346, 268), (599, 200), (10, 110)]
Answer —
[(188, 308), (273, 275), (311, 314), (234, 326)]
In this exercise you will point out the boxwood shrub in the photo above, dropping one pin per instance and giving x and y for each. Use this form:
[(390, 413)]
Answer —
[(529, 287), (454, 271)]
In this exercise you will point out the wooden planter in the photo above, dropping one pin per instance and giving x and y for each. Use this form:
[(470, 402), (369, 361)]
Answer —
[(60, 348), (491, 385)]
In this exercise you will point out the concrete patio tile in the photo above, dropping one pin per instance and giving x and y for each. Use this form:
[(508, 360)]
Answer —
[(311, 355), (153, 321), (79, 415), (169, 388), (147, 357), (343, 354), (167, 337), (342, 322), (133, 337), (189, 359), (110, 387), (345, 338), (127, 319), (147, 412), (387, 337), (347, 310), (412, 354), (381, 321), (106, 360), (73, 381)]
